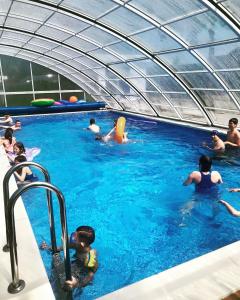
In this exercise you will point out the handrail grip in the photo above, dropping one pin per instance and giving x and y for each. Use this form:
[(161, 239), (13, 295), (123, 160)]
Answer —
[(49, 201), (17, 285)]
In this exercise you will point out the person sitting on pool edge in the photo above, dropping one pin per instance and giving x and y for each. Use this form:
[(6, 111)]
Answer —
[(93, 126), (204, 179), (86, 263), (218, 144)]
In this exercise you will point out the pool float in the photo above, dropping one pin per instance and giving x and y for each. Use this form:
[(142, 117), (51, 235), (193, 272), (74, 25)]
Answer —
[(120, 130), (42, 102), (30, 153)]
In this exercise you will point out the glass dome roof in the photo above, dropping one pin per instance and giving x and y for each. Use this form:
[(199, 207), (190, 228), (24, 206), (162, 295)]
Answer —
[(173, 59)]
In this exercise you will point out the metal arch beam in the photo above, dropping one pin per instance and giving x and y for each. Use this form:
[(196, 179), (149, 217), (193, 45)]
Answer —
[(139, 47)]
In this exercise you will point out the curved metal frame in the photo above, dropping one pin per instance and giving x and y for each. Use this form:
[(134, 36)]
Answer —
[(182, 82), (6, 180), (136, 46), (17, 284)]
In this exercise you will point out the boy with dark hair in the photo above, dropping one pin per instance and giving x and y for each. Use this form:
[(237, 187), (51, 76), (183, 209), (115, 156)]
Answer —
[(233, 135)]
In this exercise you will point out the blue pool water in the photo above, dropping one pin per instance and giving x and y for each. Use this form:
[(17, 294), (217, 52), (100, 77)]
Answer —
[(132, 194)]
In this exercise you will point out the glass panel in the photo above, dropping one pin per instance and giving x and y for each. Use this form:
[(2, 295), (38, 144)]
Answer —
[(17, 74), (99, 36), (148, 67), (30, 11), (124, 102), (222, 57), (28, 54), (67, 23), (183, 100), (2, 20), (164, 11), (88, 62), (234, 8), (123, 87), (156, 40), (19, 100), (109, 87), (93, 8), (4, 7), (221, 117), (193, 115), (200, 80), (44, 79), (16, 36), (67, 84), (55, 96), (140, 106), (216, 99), (181, 61), (15, 43), (161, 105), (79, 95), (76, 65), (93, 75), (125, 51), (81, 44), (57, 55), (106, 73), (53, 33), (125, 70), (8, 51), (236, 95), (38, 49), (105, 56), (143, 85), (44, 43), (126, 21), (22, 24), (202, 29), (110, 101), (232, 79), (167, 83), (68, 52)]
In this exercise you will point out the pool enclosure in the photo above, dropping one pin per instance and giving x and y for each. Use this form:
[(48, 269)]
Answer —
[(171, 59)]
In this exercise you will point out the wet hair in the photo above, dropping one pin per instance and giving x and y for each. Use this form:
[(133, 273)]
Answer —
[(205, 163), (20, 159), (215, 132), (86, 233), (8, 135), (20, 147), (92, 121), (234, 121)]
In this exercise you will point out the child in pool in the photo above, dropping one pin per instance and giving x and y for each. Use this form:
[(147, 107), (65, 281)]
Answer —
[(24, 174), (218, 144), (7, 120), (18, 149), (8, 141), (86, 264)]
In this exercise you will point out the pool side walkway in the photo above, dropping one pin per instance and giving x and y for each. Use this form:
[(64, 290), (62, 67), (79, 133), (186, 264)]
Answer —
[(31, 268), (213, 276)]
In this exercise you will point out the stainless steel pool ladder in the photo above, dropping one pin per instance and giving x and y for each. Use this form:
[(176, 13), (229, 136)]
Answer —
[(49, 201), (17, 284)]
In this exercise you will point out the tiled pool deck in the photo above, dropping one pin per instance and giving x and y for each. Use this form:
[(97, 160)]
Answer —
[(210, 277)]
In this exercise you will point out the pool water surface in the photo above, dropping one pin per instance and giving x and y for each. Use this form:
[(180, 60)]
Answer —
[(132, 194)]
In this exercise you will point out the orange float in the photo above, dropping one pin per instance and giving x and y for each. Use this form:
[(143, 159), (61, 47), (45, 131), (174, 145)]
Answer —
[(73, 99), (119, 132)]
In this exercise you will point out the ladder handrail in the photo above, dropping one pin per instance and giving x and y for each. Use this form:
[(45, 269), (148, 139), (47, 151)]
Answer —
[(17, 285), (49, 201)]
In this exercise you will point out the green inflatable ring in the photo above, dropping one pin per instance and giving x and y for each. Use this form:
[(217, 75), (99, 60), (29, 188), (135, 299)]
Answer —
[(42, 102)]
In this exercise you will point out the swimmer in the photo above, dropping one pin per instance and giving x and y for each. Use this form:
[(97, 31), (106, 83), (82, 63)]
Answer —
[(218, 144), (93, 126), (18, 149), (204, 179), (24, 174), (16, 126), (233, 135), (7, 120), (86, 258)]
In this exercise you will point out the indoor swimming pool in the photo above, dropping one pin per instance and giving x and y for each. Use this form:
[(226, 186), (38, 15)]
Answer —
[(145, 220)]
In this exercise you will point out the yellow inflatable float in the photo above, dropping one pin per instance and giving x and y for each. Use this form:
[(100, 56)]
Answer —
[(119, 132)]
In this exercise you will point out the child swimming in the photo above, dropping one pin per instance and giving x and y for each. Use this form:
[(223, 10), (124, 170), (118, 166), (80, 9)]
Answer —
[(24, 174)]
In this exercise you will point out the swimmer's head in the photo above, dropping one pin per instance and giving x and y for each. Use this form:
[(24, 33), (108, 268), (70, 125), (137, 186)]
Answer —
[(18, 123), (18, 148), (205, 163), (92, 121), (85, 234), (214, 132)]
